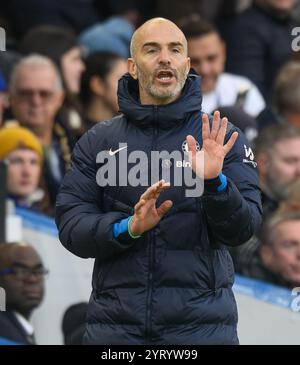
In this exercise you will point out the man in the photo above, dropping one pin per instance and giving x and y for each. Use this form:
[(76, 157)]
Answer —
[(277, 151), (208, 56), (22, 277), (277, 258), (250, 39), (23, 154), (286, 99), (36, 94), (286, 93), (162, 274)]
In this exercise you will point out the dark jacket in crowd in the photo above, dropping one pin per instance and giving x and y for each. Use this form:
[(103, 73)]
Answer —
[(12, 330), (174, 284), (258, 43)]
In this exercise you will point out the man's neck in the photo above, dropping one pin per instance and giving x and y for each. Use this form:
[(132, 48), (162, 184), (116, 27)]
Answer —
[(146, 99), (44, 134)]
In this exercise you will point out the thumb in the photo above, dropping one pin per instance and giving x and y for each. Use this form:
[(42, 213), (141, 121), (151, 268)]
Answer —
[(164, 208)]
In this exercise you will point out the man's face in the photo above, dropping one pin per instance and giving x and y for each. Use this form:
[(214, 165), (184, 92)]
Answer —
[(282, 256), (280, 167), (23, 172), (160, 63), (36, 98), (208, 58), (24, 292)]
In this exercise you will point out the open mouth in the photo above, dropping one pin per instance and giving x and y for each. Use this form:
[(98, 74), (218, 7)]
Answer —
[(165, 75)]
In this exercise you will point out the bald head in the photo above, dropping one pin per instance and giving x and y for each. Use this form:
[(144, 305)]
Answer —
[(147, 28), (10, 251), (23, 292)]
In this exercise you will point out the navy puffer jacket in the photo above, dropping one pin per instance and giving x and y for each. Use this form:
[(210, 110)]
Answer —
[(172, 285)]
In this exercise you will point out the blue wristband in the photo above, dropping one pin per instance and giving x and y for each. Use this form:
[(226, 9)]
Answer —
[(223, 180), (120, 227)]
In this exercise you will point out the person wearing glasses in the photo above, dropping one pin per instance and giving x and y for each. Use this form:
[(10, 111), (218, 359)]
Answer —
[(22, 274), (36, 95)]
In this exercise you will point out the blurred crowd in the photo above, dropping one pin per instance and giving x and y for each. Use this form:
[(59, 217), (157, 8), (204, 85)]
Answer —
[(59, 77)]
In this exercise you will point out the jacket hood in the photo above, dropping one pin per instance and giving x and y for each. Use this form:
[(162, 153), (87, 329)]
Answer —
[(163, 115)]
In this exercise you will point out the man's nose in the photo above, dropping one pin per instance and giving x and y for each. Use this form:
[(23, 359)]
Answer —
[(164, 56), (36, 99), (204, 69)]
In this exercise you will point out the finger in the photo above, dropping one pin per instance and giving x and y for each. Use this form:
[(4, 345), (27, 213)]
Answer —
[(215, 125), (154, 190), (164, 208), (139, 205), (222, 131), (160, 190), (191, 145), (231, 142), (205, 127), (151, 190)]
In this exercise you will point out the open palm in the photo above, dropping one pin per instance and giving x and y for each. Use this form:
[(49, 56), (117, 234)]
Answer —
[(208, 162)]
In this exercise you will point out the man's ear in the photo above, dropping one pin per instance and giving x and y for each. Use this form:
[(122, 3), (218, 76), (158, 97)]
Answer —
[(188, 65), (132, 69)]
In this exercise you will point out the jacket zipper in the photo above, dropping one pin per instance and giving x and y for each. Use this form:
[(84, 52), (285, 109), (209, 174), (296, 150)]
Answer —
[(150, 289), (212, 280), (151, 248)]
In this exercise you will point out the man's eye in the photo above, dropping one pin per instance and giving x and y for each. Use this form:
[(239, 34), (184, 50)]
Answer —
[(176, 50), (151, 50)]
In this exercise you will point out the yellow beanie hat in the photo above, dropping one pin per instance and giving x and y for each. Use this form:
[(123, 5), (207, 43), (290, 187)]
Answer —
[(13, 137)]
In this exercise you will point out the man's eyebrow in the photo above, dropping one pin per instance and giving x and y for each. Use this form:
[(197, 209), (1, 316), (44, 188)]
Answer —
[(155, 44), (176, 44), (151, 44)]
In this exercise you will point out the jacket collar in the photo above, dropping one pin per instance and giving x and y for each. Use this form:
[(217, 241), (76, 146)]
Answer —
[(163, 116)]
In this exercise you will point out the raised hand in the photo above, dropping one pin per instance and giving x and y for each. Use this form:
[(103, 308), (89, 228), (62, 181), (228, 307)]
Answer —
[(146, 215), (213, 149)]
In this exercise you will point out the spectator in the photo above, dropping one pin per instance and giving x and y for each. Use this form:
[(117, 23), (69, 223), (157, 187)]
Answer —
[(3, 97), (287, 93), (259, 41), (277, 258), (61, 46), (22, 277), (286, 98), (208, 55), (36, 95), (278, 157), (99, 86), (73, 324), (23, 153)]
